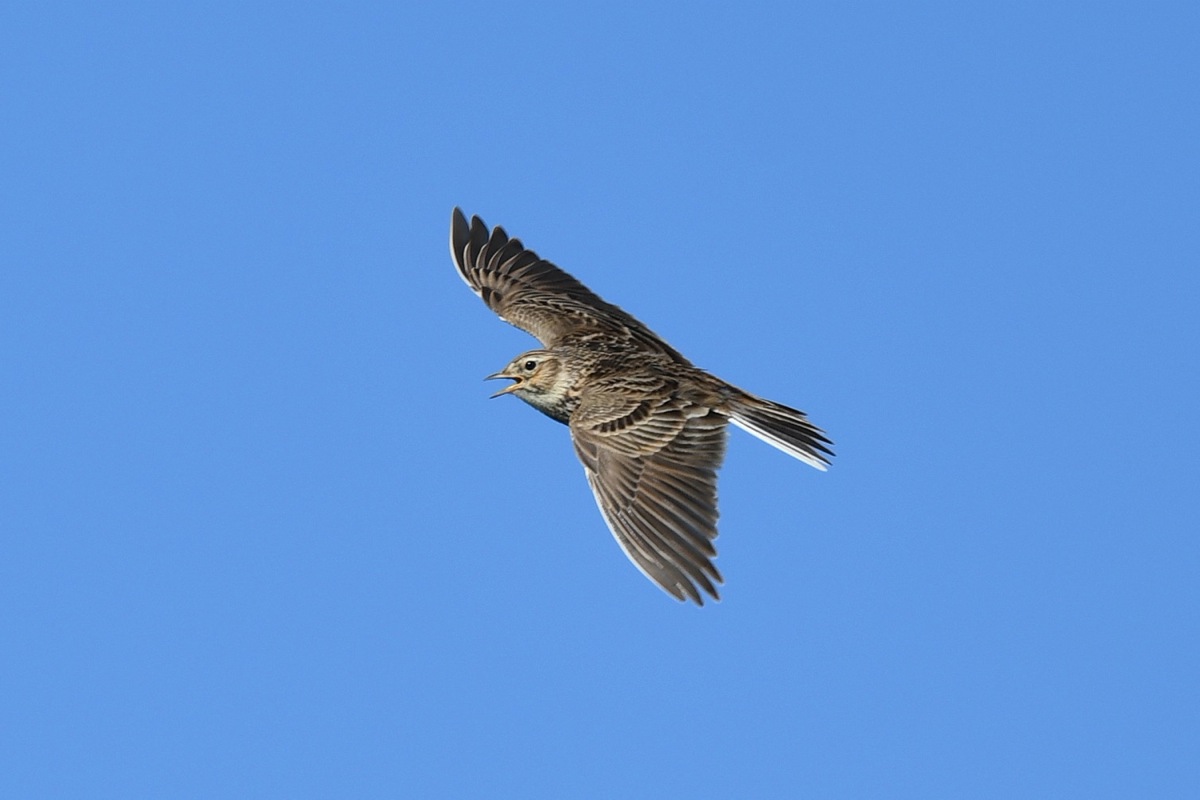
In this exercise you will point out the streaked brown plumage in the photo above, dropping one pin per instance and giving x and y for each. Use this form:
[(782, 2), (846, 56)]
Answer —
[(648, 426)]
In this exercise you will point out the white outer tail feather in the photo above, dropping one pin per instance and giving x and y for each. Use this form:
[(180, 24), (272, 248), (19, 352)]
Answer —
[(786, 447), (756, 421)]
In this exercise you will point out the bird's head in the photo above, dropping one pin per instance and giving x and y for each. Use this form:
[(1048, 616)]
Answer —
[(533, 373), (536, 375)]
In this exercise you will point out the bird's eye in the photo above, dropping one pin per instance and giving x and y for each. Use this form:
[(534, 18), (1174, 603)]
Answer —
[(530, 365)]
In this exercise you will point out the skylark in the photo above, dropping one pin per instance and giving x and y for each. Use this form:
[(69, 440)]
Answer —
[(648, 426)]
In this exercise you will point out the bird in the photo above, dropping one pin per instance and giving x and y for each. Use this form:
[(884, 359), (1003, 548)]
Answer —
[(649, 426)]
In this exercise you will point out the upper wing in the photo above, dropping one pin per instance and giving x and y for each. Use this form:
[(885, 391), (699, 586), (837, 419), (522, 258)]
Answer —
[(535, 295), (652, 464)]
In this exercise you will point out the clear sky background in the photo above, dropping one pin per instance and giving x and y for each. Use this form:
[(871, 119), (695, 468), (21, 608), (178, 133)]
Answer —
[(264, 535)]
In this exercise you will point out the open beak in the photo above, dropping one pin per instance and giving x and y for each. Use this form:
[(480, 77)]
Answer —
[(506, 389)]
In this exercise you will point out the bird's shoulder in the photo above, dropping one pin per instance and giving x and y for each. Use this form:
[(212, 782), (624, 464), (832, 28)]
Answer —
[(641, 410)]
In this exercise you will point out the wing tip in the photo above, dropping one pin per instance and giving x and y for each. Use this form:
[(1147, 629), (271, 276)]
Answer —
[(460, 235)]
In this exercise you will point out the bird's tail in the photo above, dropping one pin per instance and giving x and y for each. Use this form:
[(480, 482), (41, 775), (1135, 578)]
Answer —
[(782, 427)]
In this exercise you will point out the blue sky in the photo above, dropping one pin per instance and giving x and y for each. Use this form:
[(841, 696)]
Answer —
[(263, 534)]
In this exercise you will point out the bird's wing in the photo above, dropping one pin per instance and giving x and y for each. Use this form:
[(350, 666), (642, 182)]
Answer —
[(533, 294), (652, 464)]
